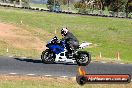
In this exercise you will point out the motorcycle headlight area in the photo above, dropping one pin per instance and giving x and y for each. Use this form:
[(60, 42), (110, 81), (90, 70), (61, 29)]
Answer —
[(49, 42)]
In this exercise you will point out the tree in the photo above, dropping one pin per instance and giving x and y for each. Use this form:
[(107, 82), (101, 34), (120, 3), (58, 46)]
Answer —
[(92, 4), (19, 0), (80, 4), (53, 5), (50, 2), (128, 7), (14, 0), (117, 5), (64, 2), (102, 4)]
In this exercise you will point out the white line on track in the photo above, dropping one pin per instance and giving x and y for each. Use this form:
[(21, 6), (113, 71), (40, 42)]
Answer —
[(30, 74), (48, 75), (64, 76), (122, 63), (11, 56), (23, 57), (103, 62), (12, 73)]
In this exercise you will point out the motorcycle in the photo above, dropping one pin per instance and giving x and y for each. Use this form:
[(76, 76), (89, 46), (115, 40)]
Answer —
[(57, 52)]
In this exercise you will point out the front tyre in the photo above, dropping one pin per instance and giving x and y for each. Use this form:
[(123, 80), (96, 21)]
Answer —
[(48, 57), (83, 58)]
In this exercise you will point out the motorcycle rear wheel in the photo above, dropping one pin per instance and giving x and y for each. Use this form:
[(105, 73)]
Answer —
[(83, 58), (48, 57)]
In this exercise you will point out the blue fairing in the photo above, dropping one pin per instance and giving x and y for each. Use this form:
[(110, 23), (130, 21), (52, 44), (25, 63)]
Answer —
[(56, 48)]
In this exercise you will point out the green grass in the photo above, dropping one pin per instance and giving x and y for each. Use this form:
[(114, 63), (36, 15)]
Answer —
[(110, 34), (44, 84), (3, 48), (52, 83)]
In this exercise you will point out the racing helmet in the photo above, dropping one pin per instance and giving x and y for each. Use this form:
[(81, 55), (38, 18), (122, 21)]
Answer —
[(64, 31)]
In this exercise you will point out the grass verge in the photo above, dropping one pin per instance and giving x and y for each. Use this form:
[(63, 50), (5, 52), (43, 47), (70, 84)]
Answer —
[(48, 82), (110, 35)]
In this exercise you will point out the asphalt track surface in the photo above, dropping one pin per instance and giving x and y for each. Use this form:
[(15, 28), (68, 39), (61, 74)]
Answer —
[(28, 66)]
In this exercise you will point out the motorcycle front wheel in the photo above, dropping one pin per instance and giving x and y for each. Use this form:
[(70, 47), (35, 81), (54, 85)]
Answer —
[(48, 57), (83, 58)]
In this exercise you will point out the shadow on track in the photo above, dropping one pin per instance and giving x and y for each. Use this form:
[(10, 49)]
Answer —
[(39, 61), (28, 60)]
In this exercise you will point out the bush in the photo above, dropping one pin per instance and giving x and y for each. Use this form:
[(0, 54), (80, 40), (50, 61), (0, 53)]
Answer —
[(117, 5)]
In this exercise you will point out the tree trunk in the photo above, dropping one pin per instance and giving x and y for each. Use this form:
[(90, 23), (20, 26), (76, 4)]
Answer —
[(126, 9), (102, 2), (117, 8)]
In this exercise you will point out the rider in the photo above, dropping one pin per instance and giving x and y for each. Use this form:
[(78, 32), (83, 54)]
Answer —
[(71, 41)]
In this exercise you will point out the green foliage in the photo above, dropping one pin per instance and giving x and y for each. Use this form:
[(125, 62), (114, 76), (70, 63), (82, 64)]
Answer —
[(82, 6), (19, 0), (64, 2), (77, 5), (129, 5), (117, 5), (112, 5), (50, 4), (14, 0)]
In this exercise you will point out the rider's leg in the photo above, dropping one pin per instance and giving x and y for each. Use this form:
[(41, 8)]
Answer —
[(74, 45), (68, 47)]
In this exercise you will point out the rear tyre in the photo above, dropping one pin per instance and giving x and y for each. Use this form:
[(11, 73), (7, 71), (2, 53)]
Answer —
[(48, 57), (83, 58)]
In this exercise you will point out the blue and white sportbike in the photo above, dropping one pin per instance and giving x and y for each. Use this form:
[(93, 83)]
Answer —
[(57, 52)]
